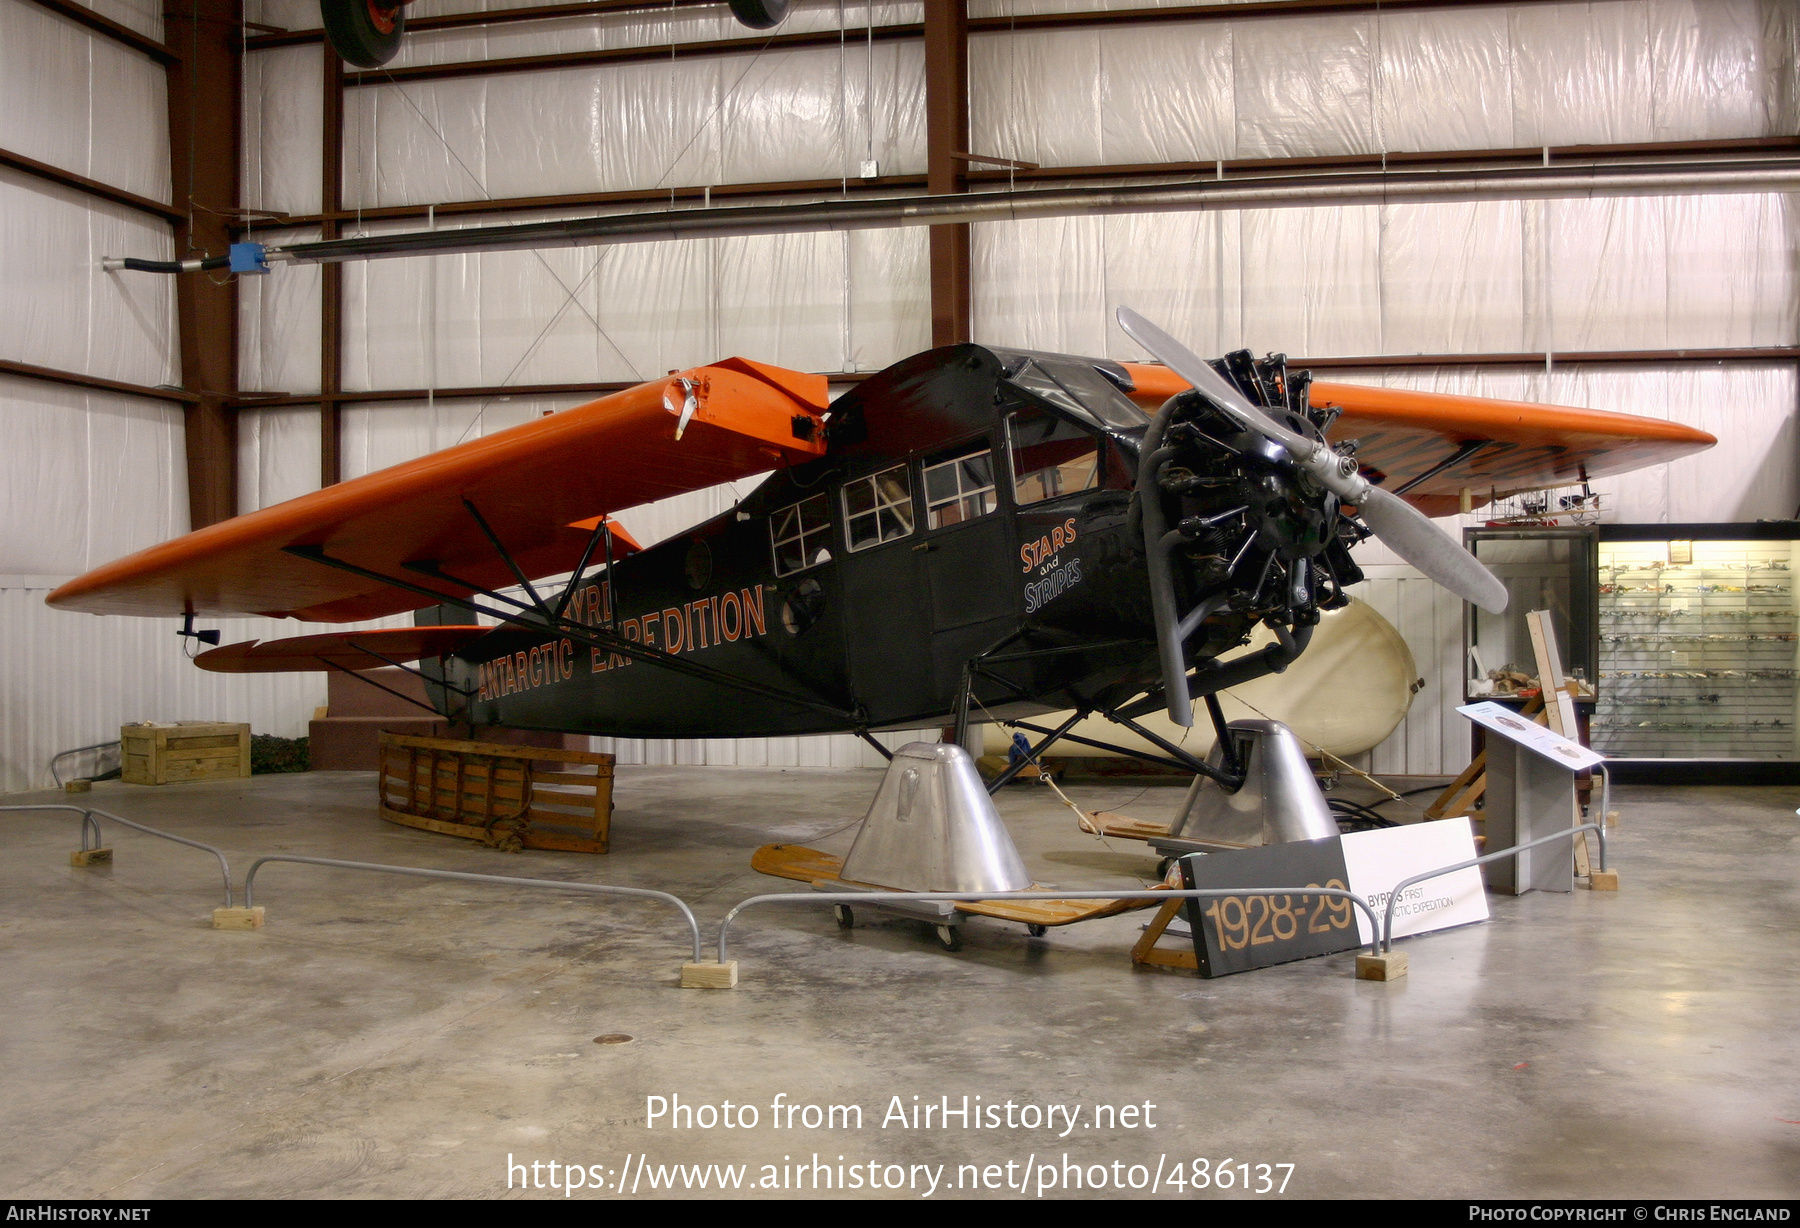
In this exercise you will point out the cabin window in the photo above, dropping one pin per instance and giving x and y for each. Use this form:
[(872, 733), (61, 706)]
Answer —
[(801, 535), (960, 488), (1051, 457), (878, 508)]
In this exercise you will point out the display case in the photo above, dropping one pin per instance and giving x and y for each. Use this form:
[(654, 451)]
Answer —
[(1554, 569), (1698, 636)]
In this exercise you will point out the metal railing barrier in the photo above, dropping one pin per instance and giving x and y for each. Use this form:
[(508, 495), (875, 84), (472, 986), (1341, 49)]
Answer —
[(59, 756), (876, 897), (88, 821), (1568, 833), (490, 879)]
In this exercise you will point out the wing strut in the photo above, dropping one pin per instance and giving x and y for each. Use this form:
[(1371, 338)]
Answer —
[(593, 637), (1461, 454), (357, 674), (465, 692)]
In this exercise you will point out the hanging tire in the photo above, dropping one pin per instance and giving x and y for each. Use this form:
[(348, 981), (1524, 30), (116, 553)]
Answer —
[(845, 918), (366, 33), (950, 937), (759, 14)]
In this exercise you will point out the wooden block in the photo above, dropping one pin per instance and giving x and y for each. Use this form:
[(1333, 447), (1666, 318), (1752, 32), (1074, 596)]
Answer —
[(1612, 818), (709, 976), (1388, 966), (1603, 880), (238, 918), (78, 786), (90, 857)]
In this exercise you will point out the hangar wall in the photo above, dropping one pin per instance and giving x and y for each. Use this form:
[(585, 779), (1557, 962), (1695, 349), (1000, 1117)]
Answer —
[(90, 474), (1630, 274), (1639, 274)]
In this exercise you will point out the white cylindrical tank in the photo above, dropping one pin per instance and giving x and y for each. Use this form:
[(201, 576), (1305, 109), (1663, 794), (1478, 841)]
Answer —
[(1348, 691)]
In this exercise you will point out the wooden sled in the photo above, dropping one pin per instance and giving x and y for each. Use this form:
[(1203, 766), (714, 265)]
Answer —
[(497, 794), (811, 866)]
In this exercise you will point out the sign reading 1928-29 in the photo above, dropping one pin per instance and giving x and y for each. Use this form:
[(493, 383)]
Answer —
[(1235, 933), (1257, 928)]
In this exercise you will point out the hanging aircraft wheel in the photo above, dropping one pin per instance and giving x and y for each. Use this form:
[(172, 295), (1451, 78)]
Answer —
[(845, 918), (1037, 931), (759, 14), (365, 33), (950, 937)]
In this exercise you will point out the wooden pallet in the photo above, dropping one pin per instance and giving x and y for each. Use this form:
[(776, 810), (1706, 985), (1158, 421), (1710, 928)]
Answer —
[(497, 794), (811, 866)]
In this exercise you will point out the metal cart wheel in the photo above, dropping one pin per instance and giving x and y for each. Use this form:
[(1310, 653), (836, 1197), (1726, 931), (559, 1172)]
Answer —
[(950, 937), (845, 918)]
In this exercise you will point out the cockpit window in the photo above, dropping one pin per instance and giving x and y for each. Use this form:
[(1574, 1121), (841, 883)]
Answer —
[(801, 535), (1076, 387), (878, 508), (1051, 457), (959, 488)]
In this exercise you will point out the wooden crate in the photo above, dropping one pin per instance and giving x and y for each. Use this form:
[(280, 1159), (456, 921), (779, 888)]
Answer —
[(507, 797), (153, 754)]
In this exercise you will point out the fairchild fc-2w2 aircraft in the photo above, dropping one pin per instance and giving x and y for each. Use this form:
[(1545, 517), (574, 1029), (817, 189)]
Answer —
[(974, 528)]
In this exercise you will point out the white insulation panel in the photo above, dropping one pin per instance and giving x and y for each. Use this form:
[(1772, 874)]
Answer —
[(59, 309), (1475, 77), (82, 102)]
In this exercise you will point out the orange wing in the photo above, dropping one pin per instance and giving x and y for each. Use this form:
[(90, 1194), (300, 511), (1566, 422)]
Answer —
[(304, 653), (1530, 447), (535, 485)]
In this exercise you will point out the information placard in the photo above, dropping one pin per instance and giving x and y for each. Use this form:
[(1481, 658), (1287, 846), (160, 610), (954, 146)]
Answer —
[(1378, 860), (1531, 735)]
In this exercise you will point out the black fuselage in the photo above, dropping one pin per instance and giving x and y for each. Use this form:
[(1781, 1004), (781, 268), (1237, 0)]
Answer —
[(974, 505), (875, 635)]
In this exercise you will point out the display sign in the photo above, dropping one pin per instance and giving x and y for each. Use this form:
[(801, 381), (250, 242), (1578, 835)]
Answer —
[(1531, 735), (1376, 861), (1236, 933)]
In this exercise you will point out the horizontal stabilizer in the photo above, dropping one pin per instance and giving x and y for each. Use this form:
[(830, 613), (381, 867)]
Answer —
[(356, 650)]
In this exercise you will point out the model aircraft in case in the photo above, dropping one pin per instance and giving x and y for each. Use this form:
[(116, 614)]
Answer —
[(973, 530)]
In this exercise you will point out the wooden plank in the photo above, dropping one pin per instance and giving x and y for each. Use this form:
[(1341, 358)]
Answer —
[(495, 749), (1144, 950), (796, 862), (1050, 912), (564, 778), (1476, 767), (204, 742)]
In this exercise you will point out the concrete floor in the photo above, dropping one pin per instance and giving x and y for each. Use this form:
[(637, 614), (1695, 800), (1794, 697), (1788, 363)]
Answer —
[(398, 1037)]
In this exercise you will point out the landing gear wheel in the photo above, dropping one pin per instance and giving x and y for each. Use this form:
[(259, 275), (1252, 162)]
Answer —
[(845, 918), (365, 33), (510, 844), (1037, 931), (1162, 867), (950, 937), (759, 14)]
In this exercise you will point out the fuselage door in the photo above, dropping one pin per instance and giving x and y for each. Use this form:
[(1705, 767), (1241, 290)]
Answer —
[(974, 596)]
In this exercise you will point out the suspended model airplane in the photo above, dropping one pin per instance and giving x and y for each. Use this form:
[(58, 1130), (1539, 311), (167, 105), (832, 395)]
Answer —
[(1021, 532)]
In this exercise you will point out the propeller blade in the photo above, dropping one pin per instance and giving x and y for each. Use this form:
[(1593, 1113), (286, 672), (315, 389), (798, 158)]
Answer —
[(1400, 526), (1408, 533), (1215, 387)]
